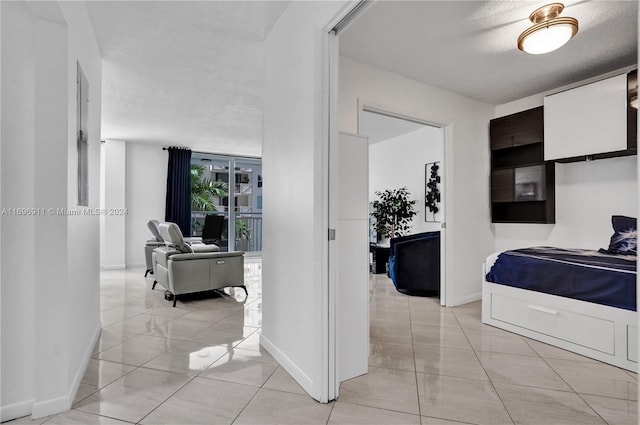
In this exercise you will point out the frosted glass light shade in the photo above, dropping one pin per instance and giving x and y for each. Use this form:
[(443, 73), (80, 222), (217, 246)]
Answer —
[(549, 32), (547, 39)]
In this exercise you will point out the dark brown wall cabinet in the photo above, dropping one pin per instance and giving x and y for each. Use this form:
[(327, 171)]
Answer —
[(522, 183), (632, 112)]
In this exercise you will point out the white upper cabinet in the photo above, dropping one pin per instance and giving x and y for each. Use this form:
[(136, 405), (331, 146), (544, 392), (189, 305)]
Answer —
[(587, 120)]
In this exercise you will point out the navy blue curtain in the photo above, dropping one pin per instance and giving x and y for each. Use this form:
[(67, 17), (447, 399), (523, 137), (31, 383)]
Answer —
[(178, 204)]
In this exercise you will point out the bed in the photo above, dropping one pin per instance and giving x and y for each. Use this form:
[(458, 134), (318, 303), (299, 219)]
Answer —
[(580, 300)]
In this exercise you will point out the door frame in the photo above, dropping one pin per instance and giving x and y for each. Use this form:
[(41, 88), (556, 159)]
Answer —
[(368, 105), (331, 361)]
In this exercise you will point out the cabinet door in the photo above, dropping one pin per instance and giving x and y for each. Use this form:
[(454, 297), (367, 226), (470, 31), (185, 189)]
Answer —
[(530, 184), (502, 185), (519, 129), (587, 120), (500, 130), (632, 113)]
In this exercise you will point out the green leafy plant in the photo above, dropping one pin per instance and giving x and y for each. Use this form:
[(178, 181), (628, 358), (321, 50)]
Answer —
[(393, 212), (242, 230), (204, 191)]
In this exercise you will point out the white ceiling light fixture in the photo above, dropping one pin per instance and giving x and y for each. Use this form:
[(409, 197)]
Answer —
[(549, 32)]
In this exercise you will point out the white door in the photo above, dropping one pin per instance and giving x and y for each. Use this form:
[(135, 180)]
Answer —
[(352, 236), (348, 247)]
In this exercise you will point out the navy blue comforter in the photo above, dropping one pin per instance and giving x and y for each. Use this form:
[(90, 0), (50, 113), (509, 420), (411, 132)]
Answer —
[(574, 273)]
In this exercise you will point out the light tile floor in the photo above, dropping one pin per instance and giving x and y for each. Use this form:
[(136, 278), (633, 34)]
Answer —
[(201, 363)]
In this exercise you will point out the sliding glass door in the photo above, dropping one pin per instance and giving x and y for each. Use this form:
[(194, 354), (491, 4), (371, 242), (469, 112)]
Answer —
[(247, 194), (230, 187)]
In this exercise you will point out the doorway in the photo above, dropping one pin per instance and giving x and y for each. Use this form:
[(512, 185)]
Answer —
[(407, 152)]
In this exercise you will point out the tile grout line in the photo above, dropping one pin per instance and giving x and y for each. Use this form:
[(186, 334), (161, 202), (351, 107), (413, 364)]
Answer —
[(333, 405), (254, 395), (464, 331), (403, 370), (165, 400), (415, 367), (181, 387), (191, 379), (564, 380)]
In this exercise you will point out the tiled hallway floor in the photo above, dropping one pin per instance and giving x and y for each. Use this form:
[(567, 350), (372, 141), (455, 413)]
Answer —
[(201, 363)]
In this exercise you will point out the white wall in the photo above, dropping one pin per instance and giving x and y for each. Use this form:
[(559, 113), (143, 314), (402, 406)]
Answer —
[(466, 182), (135, 179), (50, 291), (587, 195), (83, 296), (112, 255), (18, 233), (146, 188), (390, 167), (295, 197)]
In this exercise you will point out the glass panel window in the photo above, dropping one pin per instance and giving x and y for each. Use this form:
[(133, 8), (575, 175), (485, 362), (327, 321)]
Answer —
[(230, 187)]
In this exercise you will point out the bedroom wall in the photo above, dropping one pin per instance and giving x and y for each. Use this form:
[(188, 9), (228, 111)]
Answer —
[(469, 238), (391, 168), (587, 195)]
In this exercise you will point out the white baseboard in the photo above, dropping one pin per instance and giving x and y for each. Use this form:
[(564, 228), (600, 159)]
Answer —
[(296, 373), (82, 368), (113, 267), (129, 265), (16, 410), (62, 404), (51, 406), (465, 300)]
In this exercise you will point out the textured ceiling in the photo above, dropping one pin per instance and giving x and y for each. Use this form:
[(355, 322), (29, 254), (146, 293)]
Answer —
[(184, 73), (470, 47), (191, 72)]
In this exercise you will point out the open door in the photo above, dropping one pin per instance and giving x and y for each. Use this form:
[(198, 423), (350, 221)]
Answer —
[(352, 301), (348, 246)]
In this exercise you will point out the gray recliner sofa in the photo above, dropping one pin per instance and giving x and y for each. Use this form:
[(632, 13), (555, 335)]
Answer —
[(182, 268), (151, 244), (157, 241)]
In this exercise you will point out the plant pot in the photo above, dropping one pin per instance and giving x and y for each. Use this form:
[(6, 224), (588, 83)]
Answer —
[(242, 244)]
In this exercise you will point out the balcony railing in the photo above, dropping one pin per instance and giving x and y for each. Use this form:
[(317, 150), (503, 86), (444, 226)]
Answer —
[(251, 220)]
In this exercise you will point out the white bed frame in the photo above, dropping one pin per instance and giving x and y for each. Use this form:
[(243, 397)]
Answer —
[(604, 333)]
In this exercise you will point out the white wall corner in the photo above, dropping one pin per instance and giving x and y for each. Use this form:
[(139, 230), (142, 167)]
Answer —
[(464, 300), (63, 403), (82, 367)]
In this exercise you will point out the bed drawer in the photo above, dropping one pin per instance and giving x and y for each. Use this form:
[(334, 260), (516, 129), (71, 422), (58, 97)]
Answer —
[(588, 331)]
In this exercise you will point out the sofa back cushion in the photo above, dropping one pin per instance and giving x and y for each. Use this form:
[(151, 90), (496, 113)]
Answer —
[(154, 227), (173, 236)]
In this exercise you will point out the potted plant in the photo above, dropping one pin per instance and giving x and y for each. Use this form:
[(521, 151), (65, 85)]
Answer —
[(393, 212), (243, 234)]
